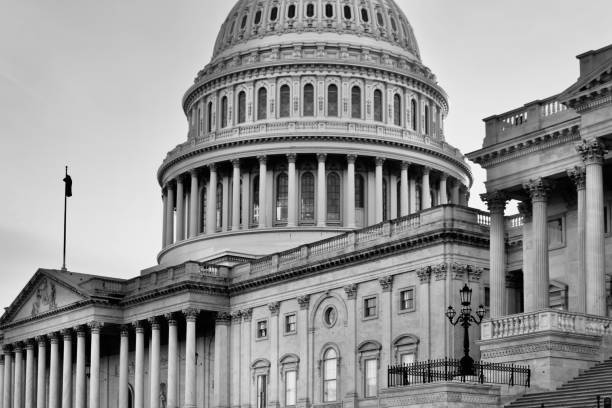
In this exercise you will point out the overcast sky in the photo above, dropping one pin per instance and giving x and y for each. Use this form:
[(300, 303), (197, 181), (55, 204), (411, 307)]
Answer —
[(97, 85)]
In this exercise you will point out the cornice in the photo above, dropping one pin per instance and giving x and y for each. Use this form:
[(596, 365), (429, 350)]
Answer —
[(208, 288)]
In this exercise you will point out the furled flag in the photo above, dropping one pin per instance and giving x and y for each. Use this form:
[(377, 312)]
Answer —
[(68, 182)]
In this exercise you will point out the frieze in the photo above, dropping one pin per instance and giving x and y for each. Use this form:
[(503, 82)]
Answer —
[(531, 347), (424, 274), (440, 271)]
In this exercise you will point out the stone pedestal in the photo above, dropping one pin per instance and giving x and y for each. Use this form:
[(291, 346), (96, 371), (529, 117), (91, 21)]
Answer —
[(442, 395)]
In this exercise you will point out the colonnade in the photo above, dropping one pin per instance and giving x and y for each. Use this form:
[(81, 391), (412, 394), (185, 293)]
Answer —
[(588, 180), (60, 392), (183, 220)]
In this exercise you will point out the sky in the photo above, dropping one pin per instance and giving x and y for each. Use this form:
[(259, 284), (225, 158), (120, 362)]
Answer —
[(97, 85)]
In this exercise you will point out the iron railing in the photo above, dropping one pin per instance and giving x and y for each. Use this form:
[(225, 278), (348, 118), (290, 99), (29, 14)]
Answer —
[(447, 369)]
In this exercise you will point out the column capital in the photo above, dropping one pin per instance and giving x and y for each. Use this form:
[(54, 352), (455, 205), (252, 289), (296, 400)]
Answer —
[(139, 326), (81, 330), (212, 167), (41, 340), (592, 151), (247, 315), (424, 274), (179, 179), (95, 326), (222, 318), (379, 161), (125, 330), (236, 163), (274, 308), (262, 159), (53, 337), (386, 283), (304, 301), (578, 176), (291, 157), (191, 314), (538, 189), (443, 176), (194, 172), (66, 334), (351, 158), (153, 322), (426, 170), (170, 185), (351, 290), (7, 348), (236, 316), (496, 200), (171, 318), (404, 165), (18, 347), (321, 157), (29, 344)]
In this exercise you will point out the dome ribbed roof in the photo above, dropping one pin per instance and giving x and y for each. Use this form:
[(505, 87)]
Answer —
[(313, 20)]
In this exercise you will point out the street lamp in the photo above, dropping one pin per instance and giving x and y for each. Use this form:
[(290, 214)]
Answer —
[(466, 319)]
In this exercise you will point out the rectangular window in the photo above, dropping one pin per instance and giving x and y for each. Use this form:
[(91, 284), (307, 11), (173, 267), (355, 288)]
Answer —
[(407, 299), (262, 395), (369, 307), (290, 388), (487, 300), (262, 329), (290, 323), (371, 378)]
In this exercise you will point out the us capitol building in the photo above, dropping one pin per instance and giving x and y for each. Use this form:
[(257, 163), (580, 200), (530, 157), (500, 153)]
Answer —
[(316, 228)]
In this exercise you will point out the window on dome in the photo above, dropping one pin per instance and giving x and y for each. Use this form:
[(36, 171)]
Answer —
[(332, 100), (413, 113), (385, 202), (231, 30), (285, 101), (356, 102), (241, 107), (365, 17), (310, 10), (203, 199), (309, 100), (348, 14), (243, 23), (329, 10), (282, 197), (255, 201), (308, 197), (379, 18), (219, 206), (397, 110), (273, 13), (333, 197), (359, 191), (291, 11), (378, 113), (417, 197), (224, 112), (257, 17), (393, 24), (262, 103), (330, 375), (209, 117), (426, 119)]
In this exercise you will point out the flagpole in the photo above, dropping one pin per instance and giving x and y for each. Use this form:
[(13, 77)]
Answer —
[(65, 204)]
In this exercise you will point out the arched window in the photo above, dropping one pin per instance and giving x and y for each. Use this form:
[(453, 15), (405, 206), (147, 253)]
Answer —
[(393, 25), (330, 375), (413, 112), (385, 200), (397, 110), (356, 102), (333, 197), (241, 107), (426, 119), (378, 114), (224, 112), (282, 196), (291, 11), (262, 103), (209, 117), (379, 18), (308, 100), (203, 200), (310, 10), (364, 15), (285, 101), (348, 14), (219, 207), (308, 197), (329, 10), (257, 17), (359, 191), (332, 100), (273, 13), (243, 23), (255, 201)]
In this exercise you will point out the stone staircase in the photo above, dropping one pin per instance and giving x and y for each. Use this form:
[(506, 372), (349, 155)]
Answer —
[(580, 392)]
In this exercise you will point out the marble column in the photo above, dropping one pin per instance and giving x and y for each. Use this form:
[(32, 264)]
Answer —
[(236, 195), (94, 368), (455, 193), (235, 359), (41, 379), (139, 366), (274, 334), (350, 217), (496, 201), (18, 376), (180, 209), (593, 153), (172, 383), (386, 285), (538, 190), (211, 201), (67, 369), (154, 363), (392, 194), (123, 368), (245, 381), (191, 316), (404, 187), (578, 176), (170, 215), (263, 194), (54, 367), (378, 190), (221, 370), (302, 330), (2, 381), (292, 184), (29, 378), (321, 191), (443, 193), (425, 189), (193, 204), (80, 388), (6, 388), (412, 198), (164, 218), (246, 200)]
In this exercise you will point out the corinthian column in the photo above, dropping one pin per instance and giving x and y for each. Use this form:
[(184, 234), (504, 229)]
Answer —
[(94, 371), (123, 368), (8, 373), (221, 370), (404, 204), (190, 358), (211, 201), (378, 190), (80, 388), (321, 191), (180, 209), (350, 182), (578, 176), (425, 189), (29, 381), (592, 154), (154, 363), (66, 370), (236, 195), (193, 205), (292, 199), (496, 201), (172, 361), (139, 366), (18, 380), (539, 190), (54, 371), (41, 372)]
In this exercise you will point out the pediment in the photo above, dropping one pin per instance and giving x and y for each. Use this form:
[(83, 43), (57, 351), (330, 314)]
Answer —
[(43, 294), (594, 83)]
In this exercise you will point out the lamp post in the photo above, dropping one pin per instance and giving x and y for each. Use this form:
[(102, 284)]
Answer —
[(466, 319)]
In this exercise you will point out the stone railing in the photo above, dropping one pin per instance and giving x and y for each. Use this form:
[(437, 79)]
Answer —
[(544, 321), (323, 126), (514, 221)]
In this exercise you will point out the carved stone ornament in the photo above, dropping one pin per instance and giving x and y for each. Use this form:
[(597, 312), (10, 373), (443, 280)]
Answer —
[(592, 151), (191, 314), (153, 322), (247, 314), (274, 308), (424, 274), (474, 274), (538, 189), (44, 296), (458, 270), (351, 291), (496, 200), (304, 301), (440, 271), (578, 176), (236, 316), (222, 318), (386, 283)]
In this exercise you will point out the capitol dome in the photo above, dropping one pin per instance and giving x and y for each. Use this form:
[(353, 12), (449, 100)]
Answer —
[(313, 118)]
